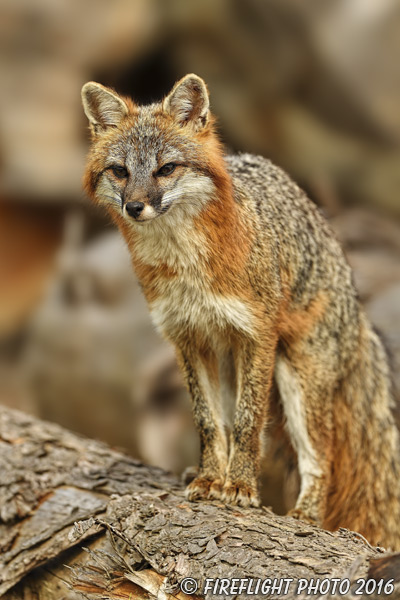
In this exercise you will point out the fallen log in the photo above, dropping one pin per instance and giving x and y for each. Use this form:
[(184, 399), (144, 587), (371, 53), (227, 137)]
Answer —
[(79, 519)]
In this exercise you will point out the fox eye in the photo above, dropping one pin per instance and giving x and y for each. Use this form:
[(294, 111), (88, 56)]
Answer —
[(119, 172), (166, 169)]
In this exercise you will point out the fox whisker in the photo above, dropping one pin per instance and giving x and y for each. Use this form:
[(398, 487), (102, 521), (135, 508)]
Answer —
[(109, 197)]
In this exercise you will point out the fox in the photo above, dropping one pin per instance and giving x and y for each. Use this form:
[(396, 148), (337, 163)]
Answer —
[(244, 276)]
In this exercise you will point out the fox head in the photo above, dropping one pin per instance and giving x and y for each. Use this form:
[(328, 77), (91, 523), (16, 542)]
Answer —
[(154, 161)]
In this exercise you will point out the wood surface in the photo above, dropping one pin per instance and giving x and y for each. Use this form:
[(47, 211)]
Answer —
[(80, 519)]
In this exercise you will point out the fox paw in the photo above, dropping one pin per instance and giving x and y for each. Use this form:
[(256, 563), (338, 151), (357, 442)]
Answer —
[(297, 513), (202, 488), (238, 492)]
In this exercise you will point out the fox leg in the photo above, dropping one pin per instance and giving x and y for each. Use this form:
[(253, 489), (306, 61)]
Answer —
[(201, 373), (309, 421), (254, 368)]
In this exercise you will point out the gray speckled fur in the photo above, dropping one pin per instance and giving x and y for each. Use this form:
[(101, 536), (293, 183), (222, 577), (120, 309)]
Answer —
[(293, 232), (340, 364)]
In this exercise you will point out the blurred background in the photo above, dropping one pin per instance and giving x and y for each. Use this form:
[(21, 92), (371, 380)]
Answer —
[(313, 85)]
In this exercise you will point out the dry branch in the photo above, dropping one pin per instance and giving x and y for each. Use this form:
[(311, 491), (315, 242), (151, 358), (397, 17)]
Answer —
[(142, 537)]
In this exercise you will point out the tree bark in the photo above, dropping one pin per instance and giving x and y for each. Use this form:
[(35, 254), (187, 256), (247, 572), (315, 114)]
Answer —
[(79, 519)]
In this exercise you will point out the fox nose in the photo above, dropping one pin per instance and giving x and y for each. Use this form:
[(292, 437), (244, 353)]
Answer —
[(134, 208)]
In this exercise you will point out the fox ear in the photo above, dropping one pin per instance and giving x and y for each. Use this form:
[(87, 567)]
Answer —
[(188, 102), (103, 107)]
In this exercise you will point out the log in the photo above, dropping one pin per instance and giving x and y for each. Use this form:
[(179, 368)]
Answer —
[(79, 519)]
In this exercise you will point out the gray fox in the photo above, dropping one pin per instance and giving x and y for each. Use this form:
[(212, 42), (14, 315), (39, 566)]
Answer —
[(244, 276)]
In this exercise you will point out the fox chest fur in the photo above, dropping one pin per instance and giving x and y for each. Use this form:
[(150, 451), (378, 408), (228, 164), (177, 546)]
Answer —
[(185, 296)]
